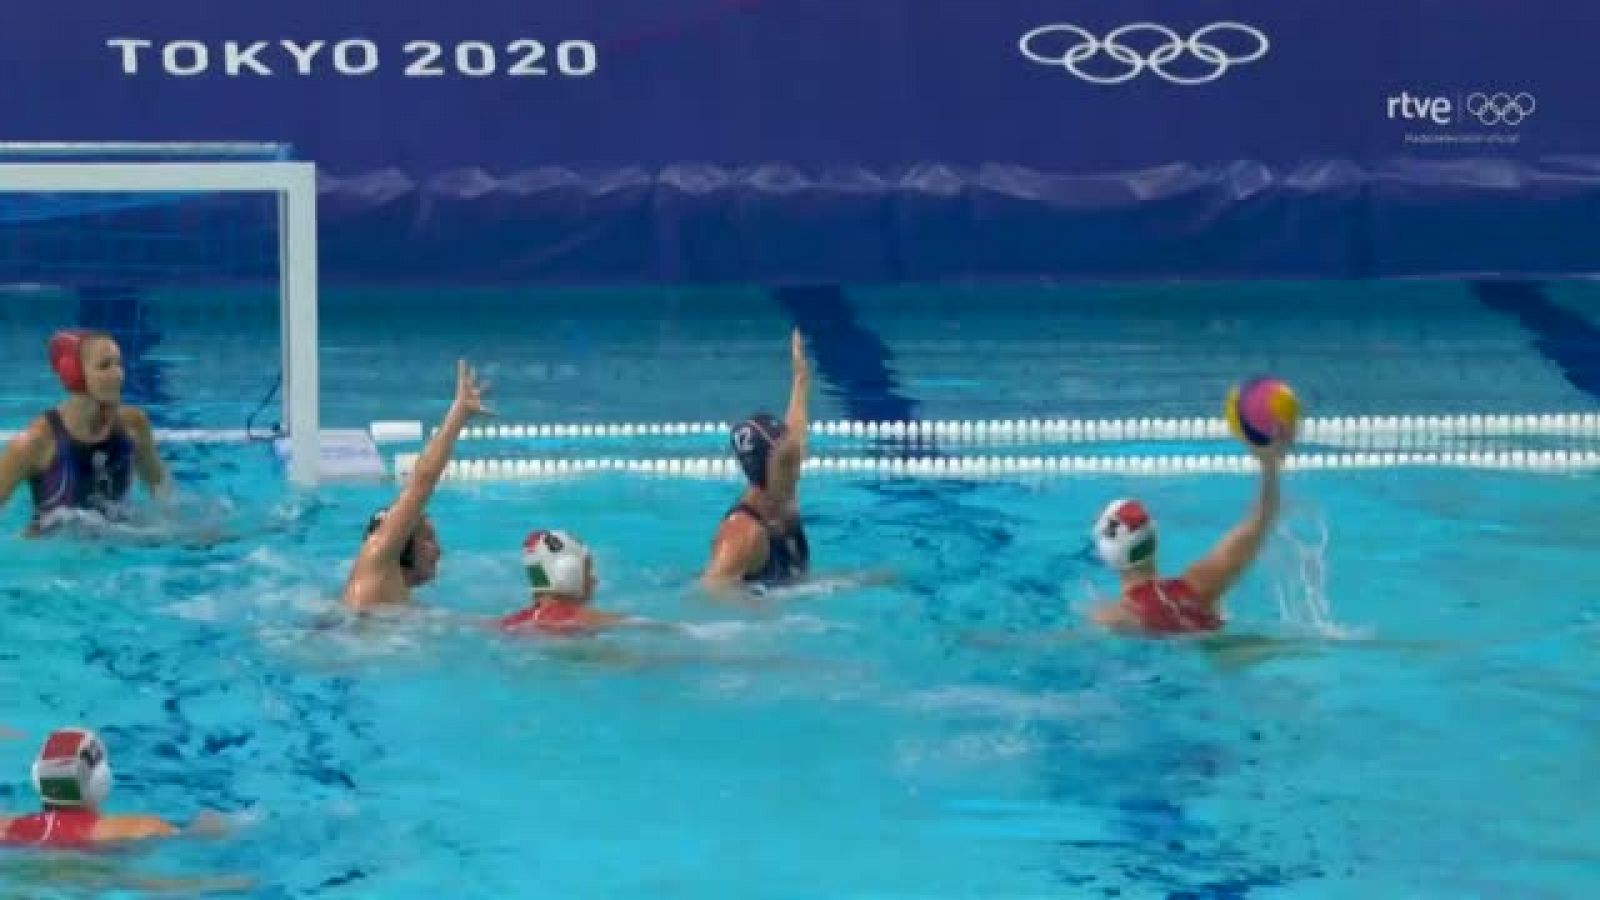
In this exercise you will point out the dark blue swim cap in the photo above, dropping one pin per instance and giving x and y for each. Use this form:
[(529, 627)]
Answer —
[(753, 440), (408, 553)]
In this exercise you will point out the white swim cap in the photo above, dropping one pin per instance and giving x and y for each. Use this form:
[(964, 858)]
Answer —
[(556, 562), (1125, 535), (72, 769)]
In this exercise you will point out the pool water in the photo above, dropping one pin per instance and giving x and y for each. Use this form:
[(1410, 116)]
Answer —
[(210, 358), (1415, 720)]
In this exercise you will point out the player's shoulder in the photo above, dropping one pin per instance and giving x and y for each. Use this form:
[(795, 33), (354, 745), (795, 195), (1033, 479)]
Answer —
[(134, 418), (36, 442)]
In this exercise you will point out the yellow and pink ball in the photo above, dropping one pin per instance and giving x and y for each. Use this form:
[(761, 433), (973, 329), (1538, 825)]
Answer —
[(1260, 409)]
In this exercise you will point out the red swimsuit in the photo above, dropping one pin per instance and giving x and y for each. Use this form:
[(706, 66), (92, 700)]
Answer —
[(1170, 606), (55, 828), (550, 618)]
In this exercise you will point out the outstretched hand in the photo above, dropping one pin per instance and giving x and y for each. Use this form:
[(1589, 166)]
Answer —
[(797, 353), (210, 823), (1272, 454), (469, 391)]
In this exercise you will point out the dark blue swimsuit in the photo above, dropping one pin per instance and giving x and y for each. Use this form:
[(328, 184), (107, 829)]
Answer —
[(84, 476), (788, 554)]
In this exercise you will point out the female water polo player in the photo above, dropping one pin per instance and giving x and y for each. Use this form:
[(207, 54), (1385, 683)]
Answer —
[(761, 539), (1125, 538), (72, 775), (401, 549), (561, 576), (82, 454)]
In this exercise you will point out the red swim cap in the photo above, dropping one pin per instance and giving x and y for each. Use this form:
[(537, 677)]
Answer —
[(66, 358)]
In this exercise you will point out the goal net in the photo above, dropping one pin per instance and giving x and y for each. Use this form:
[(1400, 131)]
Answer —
[(200, 259)]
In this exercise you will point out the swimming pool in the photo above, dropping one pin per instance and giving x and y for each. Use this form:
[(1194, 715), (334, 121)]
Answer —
[(911, 740)]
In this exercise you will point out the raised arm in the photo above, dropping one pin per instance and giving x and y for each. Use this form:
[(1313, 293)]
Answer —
[(1215, 573), (389, 540), (790, 454)]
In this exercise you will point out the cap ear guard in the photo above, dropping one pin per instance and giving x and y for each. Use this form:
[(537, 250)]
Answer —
[(72, 769), (408, 553), (66, 359), (1125, 535), (557, 563)]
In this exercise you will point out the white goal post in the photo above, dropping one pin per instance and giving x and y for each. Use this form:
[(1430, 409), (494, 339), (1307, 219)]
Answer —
[(295, 186)]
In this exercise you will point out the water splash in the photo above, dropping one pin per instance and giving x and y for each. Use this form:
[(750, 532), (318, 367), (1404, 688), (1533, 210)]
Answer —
[(1300, 577)]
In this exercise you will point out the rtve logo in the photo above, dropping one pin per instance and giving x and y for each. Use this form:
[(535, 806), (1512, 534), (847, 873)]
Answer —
[(1498, 108), (1437, 110)]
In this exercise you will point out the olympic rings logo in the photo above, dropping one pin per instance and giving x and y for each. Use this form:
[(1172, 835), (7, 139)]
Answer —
[(1130, 62), (1500, 108)]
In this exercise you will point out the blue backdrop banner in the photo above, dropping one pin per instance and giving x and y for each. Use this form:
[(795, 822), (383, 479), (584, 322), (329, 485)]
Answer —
[(632, 139)]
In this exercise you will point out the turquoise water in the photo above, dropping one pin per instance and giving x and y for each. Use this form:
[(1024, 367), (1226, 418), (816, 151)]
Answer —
[(603, 355), (1422, 728)]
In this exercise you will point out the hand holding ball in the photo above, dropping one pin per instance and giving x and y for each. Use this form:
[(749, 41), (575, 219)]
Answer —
[(1261, 411)]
